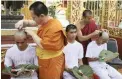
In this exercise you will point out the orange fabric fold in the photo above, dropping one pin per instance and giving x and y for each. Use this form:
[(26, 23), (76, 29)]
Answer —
[(51, 68), (53, 39), (53, 36)]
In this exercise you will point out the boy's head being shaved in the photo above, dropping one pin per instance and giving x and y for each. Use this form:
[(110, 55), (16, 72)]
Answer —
[(103, 38), (21, 39), (21, 34)]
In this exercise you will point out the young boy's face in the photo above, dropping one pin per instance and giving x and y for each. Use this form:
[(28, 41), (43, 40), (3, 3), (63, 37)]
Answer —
[(71, 34)]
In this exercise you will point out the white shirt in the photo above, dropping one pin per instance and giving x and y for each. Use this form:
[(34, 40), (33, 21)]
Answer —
[(93, 51), (73, 52), (16, 57)]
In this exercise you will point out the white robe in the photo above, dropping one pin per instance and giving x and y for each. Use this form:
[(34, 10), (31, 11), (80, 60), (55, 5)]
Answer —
[(73, 52), (103, 70), (17, 57)]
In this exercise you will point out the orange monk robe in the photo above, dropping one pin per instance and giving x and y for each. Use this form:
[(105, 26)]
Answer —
[(53, 39)]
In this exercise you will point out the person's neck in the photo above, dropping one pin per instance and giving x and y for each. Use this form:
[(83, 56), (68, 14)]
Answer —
[(47, 18), (23, 48), (70, 40), (97, 41), (84, 22)]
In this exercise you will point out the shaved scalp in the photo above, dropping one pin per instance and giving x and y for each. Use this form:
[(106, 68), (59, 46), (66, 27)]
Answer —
[(105, 36), (20, 34)]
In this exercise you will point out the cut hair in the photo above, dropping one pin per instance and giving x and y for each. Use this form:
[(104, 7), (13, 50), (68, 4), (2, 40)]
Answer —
[(39, 8), (70, 26), (86, 12)]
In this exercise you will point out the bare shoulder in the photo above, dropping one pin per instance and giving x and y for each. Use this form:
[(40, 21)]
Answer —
[(80, 24)]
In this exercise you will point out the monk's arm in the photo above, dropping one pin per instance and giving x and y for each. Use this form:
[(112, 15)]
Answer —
[(29, 23), (37, 39), (83, 38), (25, 23), (92, 59), (80, 35)]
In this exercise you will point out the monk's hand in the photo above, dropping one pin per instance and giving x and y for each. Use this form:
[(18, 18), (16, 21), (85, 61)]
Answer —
[(29, 31), (19, 24), (96, 32), (104, 30)]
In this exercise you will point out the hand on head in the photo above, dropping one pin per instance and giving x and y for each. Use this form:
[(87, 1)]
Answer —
[(104, 30), (19, 24), (20, 34), (105, 35), (96, 32)]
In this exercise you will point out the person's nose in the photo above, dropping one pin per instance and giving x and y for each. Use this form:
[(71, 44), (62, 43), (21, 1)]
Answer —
[(20, 44)]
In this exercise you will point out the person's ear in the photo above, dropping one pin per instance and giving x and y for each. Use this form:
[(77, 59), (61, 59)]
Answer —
[(42, 15), (100, 34)]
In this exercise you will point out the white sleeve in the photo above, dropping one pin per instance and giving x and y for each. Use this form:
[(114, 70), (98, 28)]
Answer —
[(8, 60), (89, 51), (105, 47), (35, 60), (81, 52)]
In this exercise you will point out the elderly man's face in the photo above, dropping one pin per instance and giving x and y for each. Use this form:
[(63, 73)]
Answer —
[(21, 42), (102, 41)]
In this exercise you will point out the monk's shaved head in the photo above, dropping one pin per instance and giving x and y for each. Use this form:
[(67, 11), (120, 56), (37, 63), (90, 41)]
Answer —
[(21, 34), (105, 36)]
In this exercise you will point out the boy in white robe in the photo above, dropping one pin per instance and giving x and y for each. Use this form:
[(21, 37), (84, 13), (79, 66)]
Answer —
[(73, 51), (103, 70), (21, 53)]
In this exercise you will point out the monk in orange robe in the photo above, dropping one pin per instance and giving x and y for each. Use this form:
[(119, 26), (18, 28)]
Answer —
[(50, 39), (51, 62), (87, 30)]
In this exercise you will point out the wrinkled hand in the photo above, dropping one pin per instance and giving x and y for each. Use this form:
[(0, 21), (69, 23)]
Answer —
[(13, 75), (19, 24)]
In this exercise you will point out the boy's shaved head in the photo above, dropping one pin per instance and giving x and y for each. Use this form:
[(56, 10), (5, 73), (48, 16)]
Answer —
[(21, 39), (105, 36), (21, 34)]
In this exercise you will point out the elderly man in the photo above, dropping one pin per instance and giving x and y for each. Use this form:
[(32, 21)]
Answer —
[(21, 53), (103, 70)]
